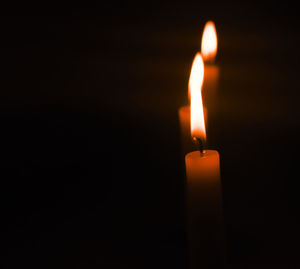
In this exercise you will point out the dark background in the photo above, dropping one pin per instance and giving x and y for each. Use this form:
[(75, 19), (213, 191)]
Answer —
[(91, 164)]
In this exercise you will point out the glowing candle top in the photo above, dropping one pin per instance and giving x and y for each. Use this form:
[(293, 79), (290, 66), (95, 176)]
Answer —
[(195, 85), (209, 43)]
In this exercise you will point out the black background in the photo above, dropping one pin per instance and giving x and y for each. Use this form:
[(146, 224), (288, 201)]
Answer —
[(91, 164)]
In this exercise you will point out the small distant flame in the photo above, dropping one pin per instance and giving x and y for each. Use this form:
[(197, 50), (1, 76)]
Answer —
[(209, 43), (195, 85)]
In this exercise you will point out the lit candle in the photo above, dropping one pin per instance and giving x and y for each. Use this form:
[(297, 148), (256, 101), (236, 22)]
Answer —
[(209, 46), (185, 117), (204, 198)]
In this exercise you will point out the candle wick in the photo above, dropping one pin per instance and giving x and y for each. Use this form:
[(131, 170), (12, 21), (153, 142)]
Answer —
[(200, 145)]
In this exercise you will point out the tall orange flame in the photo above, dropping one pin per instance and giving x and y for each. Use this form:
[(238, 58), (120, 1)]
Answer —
[(209, 43), (195, 85)]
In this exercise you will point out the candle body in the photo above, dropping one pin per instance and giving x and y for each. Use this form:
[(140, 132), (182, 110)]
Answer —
[(210, 82), (210, 100), (187, 144), (204, 210)]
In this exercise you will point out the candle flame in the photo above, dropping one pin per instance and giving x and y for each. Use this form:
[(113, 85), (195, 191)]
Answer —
[(195, 85), (209, 42)]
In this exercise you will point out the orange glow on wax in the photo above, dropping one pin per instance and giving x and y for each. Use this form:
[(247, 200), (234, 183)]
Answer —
[(209, 43), (195, 85)]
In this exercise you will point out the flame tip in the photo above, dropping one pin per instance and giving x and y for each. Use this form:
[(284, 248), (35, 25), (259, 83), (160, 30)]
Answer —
[(209, 43)]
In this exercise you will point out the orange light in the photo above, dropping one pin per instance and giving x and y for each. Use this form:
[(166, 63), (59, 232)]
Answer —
[(195, 85), (209, 43)]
